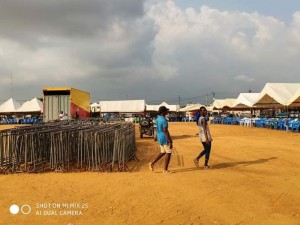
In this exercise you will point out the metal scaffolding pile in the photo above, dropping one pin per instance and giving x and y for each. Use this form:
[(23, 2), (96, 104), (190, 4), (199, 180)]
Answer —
[(67, 147)]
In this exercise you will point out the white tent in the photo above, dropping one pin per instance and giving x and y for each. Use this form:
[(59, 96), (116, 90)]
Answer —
[(218, 103), (34, 105), (294, 100), (126, 106), (245, 100), (229, 102), (276, 94), (173, 108), (150, 108), (95, 107), (9, 106), (223, 103), (190, 107)]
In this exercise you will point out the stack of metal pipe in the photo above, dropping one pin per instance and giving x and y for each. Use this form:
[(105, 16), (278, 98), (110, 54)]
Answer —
[(67, 146)]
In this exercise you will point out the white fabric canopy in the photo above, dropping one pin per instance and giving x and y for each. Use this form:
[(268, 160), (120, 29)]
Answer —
[(223, 103), (276, 94), (9, 106), (191, 107), (152, 108), (245, 100), (295, 99), (34, 105), (218, 103), (172, 108), (229, 102), (126, 106)]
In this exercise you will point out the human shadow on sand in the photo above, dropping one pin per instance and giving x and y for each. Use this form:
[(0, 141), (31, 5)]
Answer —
[(244, 163), (175, 137), (227, 164)]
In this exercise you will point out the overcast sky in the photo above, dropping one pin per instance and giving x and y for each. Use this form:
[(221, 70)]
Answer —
[(154, 50)]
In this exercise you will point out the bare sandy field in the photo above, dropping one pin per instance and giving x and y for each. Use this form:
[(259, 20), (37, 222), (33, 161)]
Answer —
[(254, 179)]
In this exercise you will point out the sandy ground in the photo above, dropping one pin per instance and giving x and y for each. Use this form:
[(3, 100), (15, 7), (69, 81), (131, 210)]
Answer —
[(254, 179)]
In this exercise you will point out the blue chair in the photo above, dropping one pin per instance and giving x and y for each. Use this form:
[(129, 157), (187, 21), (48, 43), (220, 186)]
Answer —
[(285, 124), (279, 124), (269, 123), (296, 126)]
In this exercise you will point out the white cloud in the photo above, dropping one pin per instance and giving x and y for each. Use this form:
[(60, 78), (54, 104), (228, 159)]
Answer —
[(222, 43)]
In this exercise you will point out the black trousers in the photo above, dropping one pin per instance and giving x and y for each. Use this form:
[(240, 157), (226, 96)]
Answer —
[(206, 151)]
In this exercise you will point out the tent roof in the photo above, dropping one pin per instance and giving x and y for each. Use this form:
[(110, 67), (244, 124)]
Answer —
[(245, 100), (229, 102), (126, 106), (173, 108), (9, 106), (191, 107), (152, 107), (295, 99), (218, 103), (276, 94), (34, 105), (223, 103)]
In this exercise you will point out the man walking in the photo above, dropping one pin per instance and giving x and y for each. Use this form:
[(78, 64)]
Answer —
[(205, 137), (163, 139)]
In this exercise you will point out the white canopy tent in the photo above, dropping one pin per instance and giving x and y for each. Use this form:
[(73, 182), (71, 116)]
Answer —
[(294, 100), (173, 108), (276, 95), (191, 107), (223, 103), (229, 103), (245, 100), (9, 106), (152, 108), (126, 106), (218, 103), (34, 105)]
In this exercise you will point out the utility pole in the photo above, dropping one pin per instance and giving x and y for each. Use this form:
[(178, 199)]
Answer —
[(214, 95), (11, 86), (179, 101), (206, 97)]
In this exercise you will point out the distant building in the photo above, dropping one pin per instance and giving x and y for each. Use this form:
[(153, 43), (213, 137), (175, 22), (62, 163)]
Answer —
[(66, 99)]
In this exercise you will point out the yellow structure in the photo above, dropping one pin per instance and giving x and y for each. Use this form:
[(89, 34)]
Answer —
[(68, 100)]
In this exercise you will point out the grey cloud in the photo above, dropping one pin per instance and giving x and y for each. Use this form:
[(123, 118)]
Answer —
[(49, 38), (119, 49), (67, 17)]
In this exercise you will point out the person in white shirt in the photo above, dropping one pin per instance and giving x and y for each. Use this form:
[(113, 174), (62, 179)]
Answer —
[(205, 137), (61, 115)]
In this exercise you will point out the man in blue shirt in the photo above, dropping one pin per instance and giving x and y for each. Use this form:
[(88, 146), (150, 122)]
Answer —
[(163, 139)]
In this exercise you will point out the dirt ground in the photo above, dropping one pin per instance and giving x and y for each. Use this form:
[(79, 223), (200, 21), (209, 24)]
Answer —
[(254, 179)]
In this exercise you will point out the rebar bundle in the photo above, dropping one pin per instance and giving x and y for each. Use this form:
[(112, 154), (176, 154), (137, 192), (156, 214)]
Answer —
[(69, 146)]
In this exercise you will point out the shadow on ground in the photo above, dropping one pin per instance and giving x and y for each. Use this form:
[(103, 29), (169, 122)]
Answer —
[(226, 165), (177, 137), (243, 163)]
